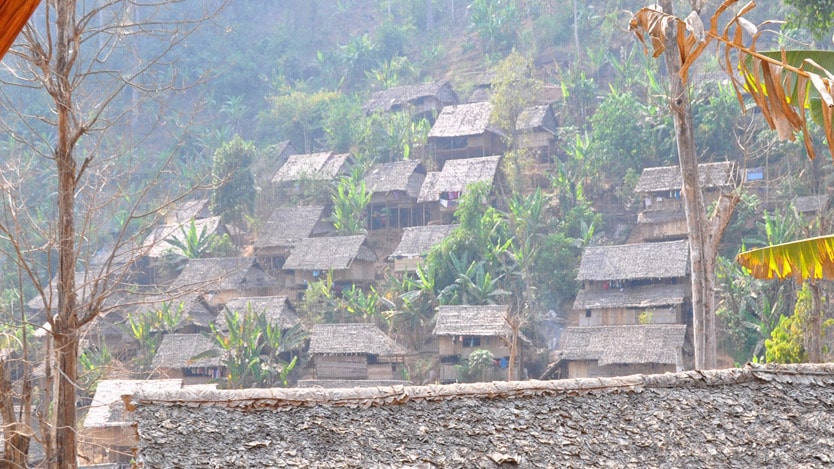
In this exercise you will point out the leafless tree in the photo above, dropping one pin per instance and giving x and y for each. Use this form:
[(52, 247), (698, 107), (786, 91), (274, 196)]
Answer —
[(89, 98)]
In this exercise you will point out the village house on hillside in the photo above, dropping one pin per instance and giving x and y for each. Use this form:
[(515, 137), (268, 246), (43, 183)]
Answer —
[(441, 190), (175, 358), (107, 434), (285, 228), (187, 210), (222, 278), (537, 127), (156, 243), (622, 282), (592, 352), (355, 351), (348, 257), (264, 168), (415, 244), (462, 329), (277, 309), (426, 99), (662, 217), (195, 312), (465, 131), (811, 205), (325, 166), (394, 188)]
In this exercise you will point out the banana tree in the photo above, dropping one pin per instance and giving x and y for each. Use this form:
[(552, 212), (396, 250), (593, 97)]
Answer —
[(780, 88), (808, 260)]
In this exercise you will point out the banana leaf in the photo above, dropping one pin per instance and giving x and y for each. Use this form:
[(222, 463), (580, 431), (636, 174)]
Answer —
[(805, 60), (811, 258)]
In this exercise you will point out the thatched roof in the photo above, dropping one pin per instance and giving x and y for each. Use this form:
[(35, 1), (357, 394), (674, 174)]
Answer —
[(155, 243), (83, 291), (333, 252), (287, 225), (126, 251), (352, 339), (464, 120), (456, 175), (811, 203), (652, 217), (668, 178), (397, 97), (193, 303), (218, 274), (756, 416), (536, 117), (485, 321), (669, 259), (400, 176), (188, 210), (316, 166), (107, 408), (177, 351), (277, 309), (624, 345), (418, 240), (646, 296)]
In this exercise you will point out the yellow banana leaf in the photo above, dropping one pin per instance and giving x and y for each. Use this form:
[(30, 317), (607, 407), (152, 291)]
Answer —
[(13, 16), (811, 258)]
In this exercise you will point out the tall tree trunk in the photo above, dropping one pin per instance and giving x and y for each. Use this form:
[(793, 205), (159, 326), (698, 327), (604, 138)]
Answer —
[(65, 324), (696, 221)]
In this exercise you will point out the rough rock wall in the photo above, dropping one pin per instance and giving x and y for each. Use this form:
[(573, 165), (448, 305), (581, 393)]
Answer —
[(752, 417)]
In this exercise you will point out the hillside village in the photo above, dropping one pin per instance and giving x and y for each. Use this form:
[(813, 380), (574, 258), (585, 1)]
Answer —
[(341, 207), (630, 315)]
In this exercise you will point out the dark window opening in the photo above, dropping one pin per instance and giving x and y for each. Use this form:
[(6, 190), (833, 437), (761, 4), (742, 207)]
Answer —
[(470, 341)]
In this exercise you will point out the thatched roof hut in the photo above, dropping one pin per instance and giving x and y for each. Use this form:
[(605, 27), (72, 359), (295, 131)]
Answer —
[(663, 260), (642, 297), (417, 241), (352, 339), (424, 97), (624, 345), (535, 118), (402, 177), (222, 274), (333, 252), (187, 210), (177, 351), (668, 178), (456, 175), (464, 120), (811, 203), (755, 416), (278, 310), (288, 225), (314, 166), (474, 320), (155, 244)]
